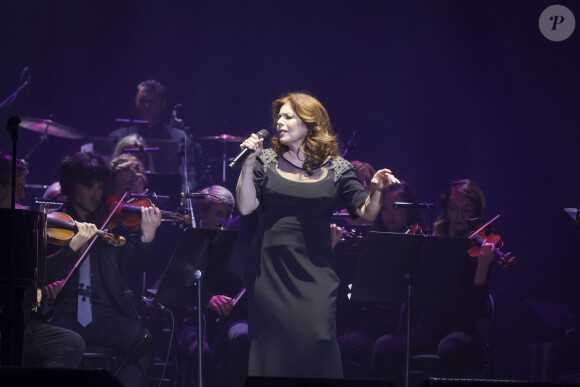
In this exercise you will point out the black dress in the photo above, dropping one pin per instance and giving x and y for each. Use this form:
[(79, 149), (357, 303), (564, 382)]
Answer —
[(291, 278)]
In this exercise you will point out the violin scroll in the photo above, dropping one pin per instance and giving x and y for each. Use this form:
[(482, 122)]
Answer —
[(116, 241)]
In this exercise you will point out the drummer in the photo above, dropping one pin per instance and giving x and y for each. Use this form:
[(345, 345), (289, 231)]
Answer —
[(151, 107)]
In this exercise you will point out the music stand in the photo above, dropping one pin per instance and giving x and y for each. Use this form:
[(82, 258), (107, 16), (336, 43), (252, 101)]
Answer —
[(396, 267), (574, 214), (199, 254)]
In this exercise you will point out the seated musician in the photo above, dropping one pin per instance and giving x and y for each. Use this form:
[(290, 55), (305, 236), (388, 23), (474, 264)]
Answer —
[(135, 141), (369, 322), (97, 301), (128, 174), (448, 332), (45, 345), (233, 349)]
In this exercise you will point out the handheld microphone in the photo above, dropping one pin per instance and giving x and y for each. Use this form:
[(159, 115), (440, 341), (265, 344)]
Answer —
[(412, 205), (243, 155)]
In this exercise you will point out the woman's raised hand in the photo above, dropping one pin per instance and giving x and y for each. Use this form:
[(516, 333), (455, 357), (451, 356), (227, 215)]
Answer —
[(383, 178)]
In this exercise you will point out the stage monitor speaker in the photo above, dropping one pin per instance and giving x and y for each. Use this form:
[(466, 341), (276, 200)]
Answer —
[(262, 381), (444, 382), (61, 377)]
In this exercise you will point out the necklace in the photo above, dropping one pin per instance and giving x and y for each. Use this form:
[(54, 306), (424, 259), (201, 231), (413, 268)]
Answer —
[(302, 168), (292, 164)]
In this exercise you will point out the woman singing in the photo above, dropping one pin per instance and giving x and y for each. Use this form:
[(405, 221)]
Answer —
[(290, 275)]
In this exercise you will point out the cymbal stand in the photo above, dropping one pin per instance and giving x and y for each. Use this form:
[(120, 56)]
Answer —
[(184, 161), (43, 139), (224, 161)]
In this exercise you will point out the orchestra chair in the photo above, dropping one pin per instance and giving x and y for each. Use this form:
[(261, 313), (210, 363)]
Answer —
[(423, 366), (101, 356)]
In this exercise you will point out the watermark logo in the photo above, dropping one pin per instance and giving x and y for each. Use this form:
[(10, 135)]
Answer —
[(557, 23)]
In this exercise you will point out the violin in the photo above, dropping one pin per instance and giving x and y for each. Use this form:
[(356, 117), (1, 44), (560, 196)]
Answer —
[(128, 214), (482, 235), (353, 235), (61, 229), (415, 229)]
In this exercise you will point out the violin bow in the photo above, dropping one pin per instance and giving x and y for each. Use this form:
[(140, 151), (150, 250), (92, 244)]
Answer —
[(485, 225), (81, 258)]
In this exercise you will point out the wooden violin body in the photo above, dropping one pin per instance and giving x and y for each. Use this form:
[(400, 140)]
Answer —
[(481, 236), (61, 229), (128, 214)]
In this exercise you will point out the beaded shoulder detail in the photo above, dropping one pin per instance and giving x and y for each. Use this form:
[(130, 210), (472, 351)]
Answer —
[(339, 166), (268, 156)]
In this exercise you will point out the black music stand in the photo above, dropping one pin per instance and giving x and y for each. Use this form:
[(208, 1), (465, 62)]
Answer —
[(201, 255), (398, 267)]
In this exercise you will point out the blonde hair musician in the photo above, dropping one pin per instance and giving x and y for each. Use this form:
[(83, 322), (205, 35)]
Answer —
[(135, 141)]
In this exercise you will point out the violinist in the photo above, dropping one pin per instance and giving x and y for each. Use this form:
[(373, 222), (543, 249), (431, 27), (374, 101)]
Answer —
[(45, 345), (368, 321), (449, 332), (128, 174), (135, 141), (98, 302)]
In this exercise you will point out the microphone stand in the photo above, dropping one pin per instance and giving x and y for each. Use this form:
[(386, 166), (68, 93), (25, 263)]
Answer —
[(42, 140), (12, 97), (178, 122), (12, 126), (12, 351)]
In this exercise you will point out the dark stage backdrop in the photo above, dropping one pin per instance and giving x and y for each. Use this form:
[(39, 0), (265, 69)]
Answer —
[(435, 90)]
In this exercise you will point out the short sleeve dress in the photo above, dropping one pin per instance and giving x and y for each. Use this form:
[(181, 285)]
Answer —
[(290, 273)]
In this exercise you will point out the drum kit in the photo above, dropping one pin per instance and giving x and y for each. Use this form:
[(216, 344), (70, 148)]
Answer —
[(224, 139), (48, 127)]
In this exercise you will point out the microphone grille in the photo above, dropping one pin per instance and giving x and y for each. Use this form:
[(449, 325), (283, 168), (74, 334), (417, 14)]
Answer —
[(263, 133)]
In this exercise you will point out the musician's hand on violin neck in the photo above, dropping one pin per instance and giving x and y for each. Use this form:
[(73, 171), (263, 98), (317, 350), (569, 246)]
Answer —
[(85, 233), (150, 222), (486, 253)]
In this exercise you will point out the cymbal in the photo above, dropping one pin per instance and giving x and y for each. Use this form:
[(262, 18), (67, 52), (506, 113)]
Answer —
[(224, 137), (50, 127)]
